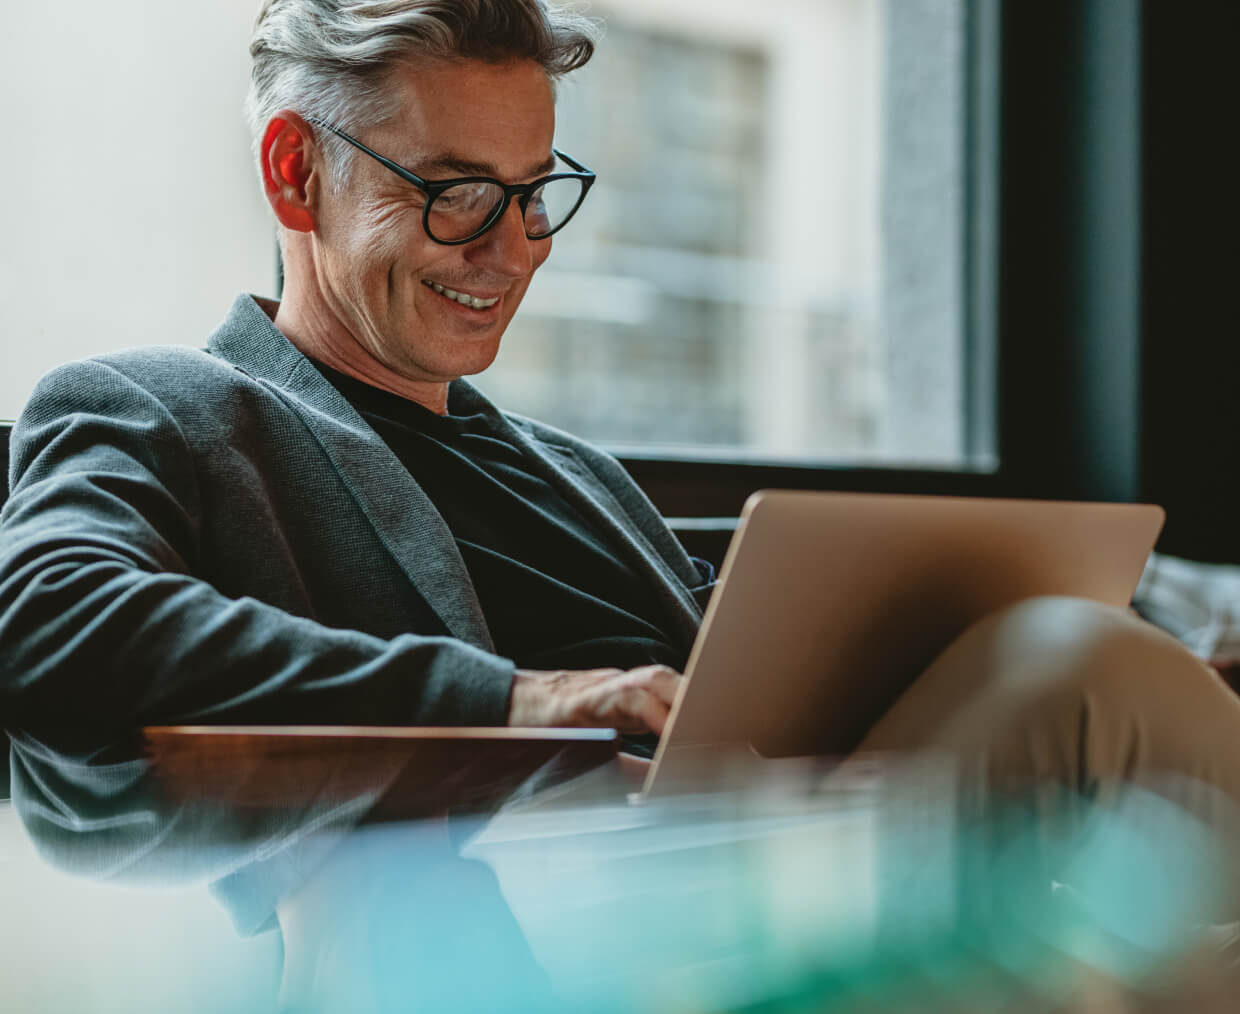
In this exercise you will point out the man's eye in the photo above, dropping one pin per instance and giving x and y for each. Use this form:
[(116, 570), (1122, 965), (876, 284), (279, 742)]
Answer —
[(469, 197)]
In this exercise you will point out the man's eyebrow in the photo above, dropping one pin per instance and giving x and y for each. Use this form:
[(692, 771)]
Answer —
[(451, 164)]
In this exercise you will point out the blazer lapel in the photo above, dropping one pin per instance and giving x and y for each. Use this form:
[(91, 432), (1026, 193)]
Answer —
[(404, 518)]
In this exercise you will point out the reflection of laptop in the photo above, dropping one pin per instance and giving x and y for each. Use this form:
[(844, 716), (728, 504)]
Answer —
[(830, 604)]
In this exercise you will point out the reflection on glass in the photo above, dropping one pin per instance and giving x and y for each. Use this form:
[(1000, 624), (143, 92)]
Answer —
[(868, 887)]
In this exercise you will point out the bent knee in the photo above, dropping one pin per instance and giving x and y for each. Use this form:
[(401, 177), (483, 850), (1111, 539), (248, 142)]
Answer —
[(1068, 689), (1079, 643)]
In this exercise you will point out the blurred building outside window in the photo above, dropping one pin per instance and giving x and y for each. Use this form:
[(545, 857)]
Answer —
[(771, 264)]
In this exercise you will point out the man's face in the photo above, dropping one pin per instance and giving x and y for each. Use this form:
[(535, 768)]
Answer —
[(378, 271)]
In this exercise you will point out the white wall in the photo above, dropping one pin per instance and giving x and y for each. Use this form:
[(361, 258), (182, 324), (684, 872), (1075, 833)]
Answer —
[(128, 207)]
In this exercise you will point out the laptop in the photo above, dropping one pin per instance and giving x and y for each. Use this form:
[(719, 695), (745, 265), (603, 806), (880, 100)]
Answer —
[(829, 605)]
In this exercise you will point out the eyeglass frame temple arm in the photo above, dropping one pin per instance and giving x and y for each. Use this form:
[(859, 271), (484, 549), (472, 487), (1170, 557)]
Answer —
[(433, 186)]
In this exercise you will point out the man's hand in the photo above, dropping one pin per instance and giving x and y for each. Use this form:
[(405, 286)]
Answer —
[(636, 700)]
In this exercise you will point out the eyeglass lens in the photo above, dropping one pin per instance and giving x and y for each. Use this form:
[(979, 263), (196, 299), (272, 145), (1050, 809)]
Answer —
[(463, 210)]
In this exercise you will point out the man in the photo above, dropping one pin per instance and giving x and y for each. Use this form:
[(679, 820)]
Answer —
[(318, 521), (253, 539)]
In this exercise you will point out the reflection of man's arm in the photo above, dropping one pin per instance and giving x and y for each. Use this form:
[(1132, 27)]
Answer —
[(104, 623)]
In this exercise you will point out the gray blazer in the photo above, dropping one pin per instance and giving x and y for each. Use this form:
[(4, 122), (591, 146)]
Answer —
[(219, 537)]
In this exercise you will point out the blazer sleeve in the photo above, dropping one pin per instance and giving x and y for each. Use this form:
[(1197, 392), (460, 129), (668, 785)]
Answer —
[(103, 625)]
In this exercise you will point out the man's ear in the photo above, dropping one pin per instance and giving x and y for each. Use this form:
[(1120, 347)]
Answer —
[(286, 164)]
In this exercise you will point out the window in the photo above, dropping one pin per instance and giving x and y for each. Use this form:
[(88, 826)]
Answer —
[(773, 262), (772, 265)]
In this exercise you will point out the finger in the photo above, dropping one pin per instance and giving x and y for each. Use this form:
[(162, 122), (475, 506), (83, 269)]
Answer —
[(654, 712), (662, 681), (635, 711), (626, 707)]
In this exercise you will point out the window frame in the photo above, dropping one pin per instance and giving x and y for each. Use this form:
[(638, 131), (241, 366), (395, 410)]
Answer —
[(1053, 171)]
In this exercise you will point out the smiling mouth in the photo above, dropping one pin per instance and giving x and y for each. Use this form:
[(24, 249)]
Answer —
[(464, 298)]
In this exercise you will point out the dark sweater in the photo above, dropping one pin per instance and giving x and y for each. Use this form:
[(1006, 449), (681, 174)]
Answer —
[(554, 592)]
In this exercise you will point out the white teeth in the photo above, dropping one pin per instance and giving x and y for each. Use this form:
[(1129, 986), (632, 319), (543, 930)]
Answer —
[(464, 298)]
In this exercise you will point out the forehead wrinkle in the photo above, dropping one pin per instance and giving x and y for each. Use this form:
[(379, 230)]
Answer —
[(453, 164)]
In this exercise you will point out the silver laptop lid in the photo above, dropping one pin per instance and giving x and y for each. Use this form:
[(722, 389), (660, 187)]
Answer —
[(830, 604)]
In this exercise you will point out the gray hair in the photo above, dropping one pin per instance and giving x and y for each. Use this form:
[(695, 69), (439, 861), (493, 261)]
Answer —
[(329, 59)]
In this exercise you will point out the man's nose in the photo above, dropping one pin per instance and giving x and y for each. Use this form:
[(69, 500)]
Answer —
[(504, 248)]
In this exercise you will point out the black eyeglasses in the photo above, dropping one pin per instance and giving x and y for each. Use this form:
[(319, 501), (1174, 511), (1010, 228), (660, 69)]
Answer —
[(460, 210)]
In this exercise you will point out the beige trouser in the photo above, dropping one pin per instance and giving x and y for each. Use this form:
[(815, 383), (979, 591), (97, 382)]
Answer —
[(1070, 692), (1091, 752)]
